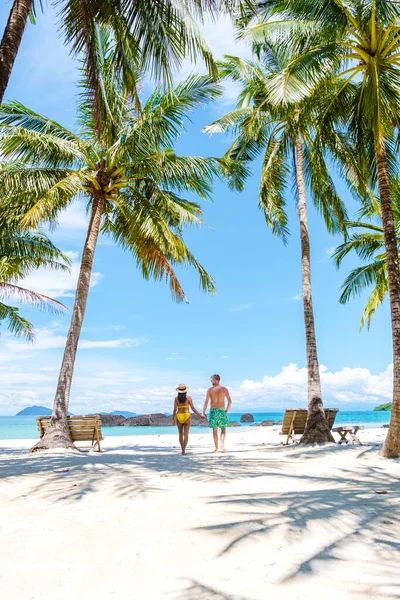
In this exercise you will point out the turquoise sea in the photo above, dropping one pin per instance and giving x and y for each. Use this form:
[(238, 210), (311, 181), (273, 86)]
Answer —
[(19, 428)]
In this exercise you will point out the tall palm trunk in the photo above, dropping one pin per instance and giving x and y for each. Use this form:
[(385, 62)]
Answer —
[(317, 428), (391, 447), (56, 435), (11, 40)]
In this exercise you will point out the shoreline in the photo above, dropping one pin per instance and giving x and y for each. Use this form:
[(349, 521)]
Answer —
[(22, 428), (270, 435)]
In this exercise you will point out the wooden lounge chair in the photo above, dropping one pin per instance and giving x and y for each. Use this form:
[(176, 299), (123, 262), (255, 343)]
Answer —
[(80, 429), (294, 421)]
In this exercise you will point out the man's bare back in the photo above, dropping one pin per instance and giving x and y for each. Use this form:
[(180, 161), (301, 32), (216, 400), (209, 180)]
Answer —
[(217, 395), (218, 414)]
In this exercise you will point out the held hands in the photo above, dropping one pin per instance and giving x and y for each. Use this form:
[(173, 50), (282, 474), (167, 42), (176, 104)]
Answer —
[(202, 416)]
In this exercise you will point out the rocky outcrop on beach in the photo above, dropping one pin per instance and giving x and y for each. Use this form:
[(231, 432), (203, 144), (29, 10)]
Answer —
[(152, 420), (163, 420), (247, 418), (112, 420), (197, 421)]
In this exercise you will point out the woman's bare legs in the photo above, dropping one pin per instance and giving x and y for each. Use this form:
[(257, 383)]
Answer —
[(181, 435), (183, 429), (186, 428)]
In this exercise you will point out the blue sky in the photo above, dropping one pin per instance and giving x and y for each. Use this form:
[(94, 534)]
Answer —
[(137, 344)]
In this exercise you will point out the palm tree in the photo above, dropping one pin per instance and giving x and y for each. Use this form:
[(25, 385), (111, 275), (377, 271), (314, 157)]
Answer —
[(22, 252), (130, 176), (368, 243), (283, 133), (157, 35), (363, 37), (11, 40)]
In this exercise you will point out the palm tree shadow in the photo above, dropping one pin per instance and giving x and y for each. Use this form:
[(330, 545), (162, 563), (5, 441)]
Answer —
[(128, 469), (364, 514), (199, 591), (315, 500)]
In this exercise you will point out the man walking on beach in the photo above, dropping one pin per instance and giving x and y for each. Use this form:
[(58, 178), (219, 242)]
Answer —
[(218, 415)]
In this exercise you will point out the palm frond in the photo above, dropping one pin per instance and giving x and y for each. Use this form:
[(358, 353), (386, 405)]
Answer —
[(10, 290), (16, 324)]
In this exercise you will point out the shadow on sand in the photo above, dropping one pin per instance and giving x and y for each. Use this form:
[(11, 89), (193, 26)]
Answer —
[(367, 516), (199, 591), (348, 497)]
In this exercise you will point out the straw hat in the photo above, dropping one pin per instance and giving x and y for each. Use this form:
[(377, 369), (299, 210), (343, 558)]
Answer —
[(182, 388)]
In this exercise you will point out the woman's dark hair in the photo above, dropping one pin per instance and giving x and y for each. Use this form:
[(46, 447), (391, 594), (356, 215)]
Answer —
[(182, 397)]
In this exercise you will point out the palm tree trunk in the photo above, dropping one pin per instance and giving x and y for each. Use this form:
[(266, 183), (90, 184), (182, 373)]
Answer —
[(56, 435), (11, 40), (391, 447), (317, 428)]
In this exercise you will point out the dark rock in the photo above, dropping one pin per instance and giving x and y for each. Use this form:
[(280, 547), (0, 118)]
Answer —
[(142, 420), (152, 420), (159, 420), (268, 423), (197, 421), (385, 426), (278, 423), (234, 424), (255, 425), (112, 420), (247, 418)]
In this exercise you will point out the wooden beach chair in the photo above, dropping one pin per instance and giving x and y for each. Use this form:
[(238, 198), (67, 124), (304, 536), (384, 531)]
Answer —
[(80, 429), (294, 421)]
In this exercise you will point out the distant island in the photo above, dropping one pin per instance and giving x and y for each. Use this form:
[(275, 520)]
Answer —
[(36, 411), (124, 413), (387, 406)]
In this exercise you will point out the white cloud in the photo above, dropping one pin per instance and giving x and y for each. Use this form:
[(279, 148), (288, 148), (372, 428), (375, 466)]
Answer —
[(59, 284), (119, 343), (73, 217), (47, 339), (225, 357), (241, 308), (295, 298), (98, 389), (73, 256), (289, 386)]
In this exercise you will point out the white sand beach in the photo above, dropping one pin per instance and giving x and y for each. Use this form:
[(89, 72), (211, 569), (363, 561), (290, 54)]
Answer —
[(261, 521)]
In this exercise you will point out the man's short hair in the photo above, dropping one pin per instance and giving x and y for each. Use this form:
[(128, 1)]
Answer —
[(215, 376)]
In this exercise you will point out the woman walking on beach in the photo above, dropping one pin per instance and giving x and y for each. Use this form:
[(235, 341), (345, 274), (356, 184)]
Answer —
[(181, 414)]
